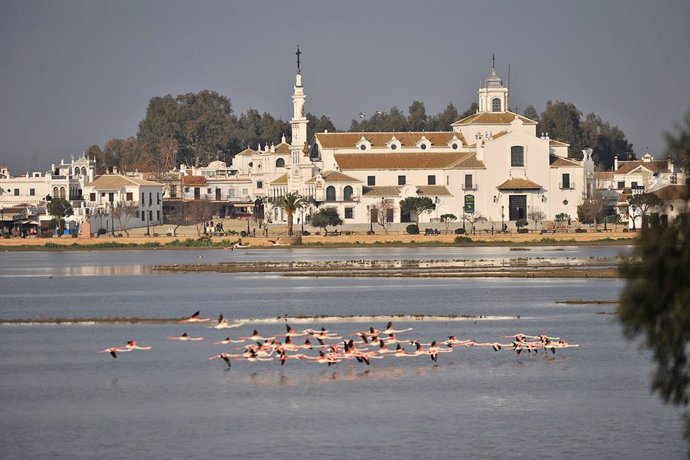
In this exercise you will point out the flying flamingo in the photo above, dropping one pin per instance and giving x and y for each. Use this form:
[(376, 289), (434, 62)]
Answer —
[(194, 319), (184, 338)]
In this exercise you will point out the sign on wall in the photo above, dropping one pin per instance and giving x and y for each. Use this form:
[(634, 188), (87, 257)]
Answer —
[(469, 204)]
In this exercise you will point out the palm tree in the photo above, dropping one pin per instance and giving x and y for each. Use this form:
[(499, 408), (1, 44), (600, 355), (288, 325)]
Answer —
[(290, 203)]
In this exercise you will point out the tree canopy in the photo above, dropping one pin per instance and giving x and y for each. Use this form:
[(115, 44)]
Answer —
[(418, 205), (290, 203), (563, 121), (416, 120), (655, 302), (325, 217)]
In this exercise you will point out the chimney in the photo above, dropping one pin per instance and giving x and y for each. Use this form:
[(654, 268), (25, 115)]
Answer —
[(615, 163), (670, 164)]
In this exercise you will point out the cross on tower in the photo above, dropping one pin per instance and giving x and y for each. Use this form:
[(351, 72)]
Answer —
[(493, 61), (298, 53)]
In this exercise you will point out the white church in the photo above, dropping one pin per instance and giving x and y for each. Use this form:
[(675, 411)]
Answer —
[(492, 164)]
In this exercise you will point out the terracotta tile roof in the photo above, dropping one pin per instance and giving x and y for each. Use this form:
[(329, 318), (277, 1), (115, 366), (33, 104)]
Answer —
[(283, 148), (247, 152), (499, 134), (433, 190), (333, 176), (194, 180), (655, 166), (117, 181), (672, 192), (470, 161), (381, 191), (282, 180), (407, 139), (519, 184), (560, 162), (412, 160), (493, 118)]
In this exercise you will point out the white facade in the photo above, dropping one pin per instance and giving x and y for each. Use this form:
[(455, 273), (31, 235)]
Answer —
[(116, 202), (492, 163), (65, 180)]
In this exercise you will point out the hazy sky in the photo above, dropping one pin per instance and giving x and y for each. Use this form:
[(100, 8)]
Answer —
[(77, 73)]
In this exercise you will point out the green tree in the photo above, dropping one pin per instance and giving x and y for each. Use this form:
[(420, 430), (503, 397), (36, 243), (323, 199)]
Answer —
[(59, 208), (606, 141), (471, 111), (655, 302), (318, 125), (562, 121), (417, 205), (417, 119), (531, 113), (202, 124), (325, 217), (290, 203), (678, 143), (443, 120), (447, 219), (591, 211), (641, 204)]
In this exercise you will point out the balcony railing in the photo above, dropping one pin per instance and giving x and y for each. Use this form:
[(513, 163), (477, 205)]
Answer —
[(469, 186), (568, 186)]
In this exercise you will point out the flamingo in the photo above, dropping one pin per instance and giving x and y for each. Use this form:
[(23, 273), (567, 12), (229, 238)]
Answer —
[(184, 338), (227, 341), (194, 319), (132, 345), (389, 329), (114, 351), (256, 337)]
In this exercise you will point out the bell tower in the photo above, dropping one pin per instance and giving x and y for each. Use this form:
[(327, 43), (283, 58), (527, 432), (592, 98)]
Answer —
[(299, 120), (493, 95)]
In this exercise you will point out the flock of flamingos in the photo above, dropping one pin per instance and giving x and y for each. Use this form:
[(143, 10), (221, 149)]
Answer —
[(333, 348)]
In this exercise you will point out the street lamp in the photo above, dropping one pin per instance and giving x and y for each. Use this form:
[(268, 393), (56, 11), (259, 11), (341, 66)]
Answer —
[(371, 228), (502, 216), (301, 211)]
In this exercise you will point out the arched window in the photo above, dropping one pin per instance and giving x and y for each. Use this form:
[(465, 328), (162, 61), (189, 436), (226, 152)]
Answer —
[(330, 193), (517, 156), (62, 192), (347, 193), (495, 105), (280, 163), (56, 192), (83, 170)]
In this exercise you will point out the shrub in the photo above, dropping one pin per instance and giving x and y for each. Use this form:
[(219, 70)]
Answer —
[(520, 223), (101, 231), (412, 229), (459, 231), (462, 239), (580, 230), (305, 233), (244, 234), (522, 230)]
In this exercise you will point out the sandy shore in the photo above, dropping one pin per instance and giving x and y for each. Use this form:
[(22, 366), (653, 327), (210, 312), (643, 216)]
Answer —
[(342, 239)]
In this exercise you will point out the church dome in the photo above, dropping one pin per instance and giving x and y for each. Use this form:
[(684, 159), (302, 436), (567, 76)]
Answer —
[(493, 81)]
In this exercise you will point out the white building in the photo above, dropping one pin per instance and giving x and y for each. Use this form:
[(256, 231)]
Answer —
[(34, 189), (115, 202), (492, 163)]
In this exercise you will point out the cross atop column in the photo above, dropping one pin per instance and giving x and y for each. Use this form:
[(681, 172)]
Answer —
[(298, 53)]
